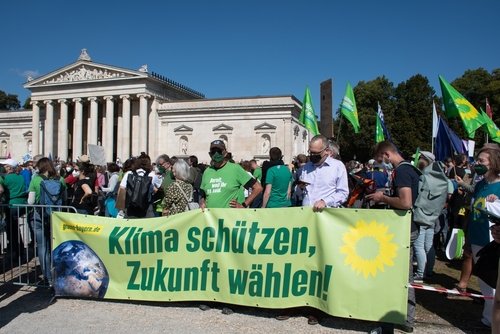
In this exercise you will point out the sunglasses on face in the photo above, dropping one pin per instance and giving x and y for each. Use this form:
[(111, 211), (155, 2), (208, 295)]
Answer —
[(215, 150)]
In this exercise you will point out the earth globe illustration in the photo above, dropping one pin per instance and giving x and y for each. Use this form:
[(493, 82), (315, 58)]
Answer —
[(78, 271)]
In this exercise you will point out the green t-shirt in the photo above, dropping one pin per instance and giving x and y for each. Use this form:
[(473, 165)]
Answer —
[(279, 177), (35, 186), (14, 188), (257, 173), (223, 184)]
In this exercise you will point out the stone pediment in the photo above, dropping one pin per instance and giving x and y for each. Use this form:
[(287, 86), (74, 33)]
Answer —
[(222, 127), (183, 128), (84, 71), (265, 126), (4, 134), (27, 134)]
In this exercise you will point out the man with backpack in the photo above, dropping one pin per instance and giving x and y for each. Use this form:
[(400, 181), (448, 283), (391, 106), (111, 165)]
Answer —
[(404, 191), (428, 207), (136, 189)]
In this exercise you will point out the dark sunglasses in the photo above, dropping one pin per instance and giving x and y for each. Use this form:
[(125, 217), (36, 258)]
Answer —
[(215, 150)]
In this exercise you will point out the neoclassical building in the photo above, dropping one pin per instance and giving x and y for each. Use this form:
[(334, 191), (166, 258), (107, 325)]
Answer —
[(131, 111)]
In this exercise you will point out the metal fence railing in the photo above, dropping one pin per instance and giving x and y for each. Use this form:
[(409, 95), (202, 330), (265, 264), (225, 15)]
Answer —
[(26, 243)]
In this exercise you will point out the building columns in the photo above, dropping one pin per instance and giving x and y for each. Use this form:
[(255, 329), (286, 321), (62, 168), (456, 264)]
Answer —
[(78, 128), (63, 131), (125, 145), (94, 120), (143, 122), (110, 122), (49, 129), (35, 129)]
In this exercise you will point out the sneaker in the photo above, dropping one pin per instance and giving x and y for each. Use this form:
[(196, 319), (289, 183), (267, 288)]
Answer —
[(204, 307), (418, 279), (312, 320), (227, 311), (404, 328), (282, 317), (486, 322)]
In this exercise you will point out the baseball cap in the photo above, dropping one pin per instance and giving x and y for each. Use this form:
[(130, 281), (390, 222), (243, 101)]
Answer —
[(427, 156), (218, 144)]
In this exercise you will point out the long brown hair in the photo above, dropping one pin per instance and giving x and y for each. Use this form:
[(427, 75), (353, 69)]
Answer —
[(46, 166)]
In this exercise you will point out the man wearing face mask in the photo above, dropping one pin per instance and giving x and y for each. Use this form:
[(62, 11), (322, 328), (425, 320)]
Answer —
[(221, 187), (323, 178), (222, 181)]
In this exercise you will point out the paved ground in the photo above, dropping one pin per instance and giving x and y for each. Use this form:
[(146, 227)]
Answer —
[(30, 310)]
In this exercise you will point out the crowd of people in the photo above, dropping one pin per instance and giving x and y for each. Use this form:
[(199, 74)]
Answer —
[(142, 188)]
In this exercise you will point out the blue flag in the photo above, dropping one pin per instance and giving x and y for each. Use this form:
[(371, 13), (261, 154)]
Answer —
[(448, 143)]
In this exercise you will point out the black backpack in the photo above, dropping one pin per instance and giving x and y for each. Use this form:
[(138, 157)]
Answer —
[(138, 194)]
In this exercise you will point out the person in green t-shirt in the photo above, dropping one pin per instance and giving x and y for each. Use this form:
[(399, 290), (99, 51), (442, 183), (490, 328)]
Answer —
[(257, 171), (221, 182), (278, 182), (41, 221), (12, 185)]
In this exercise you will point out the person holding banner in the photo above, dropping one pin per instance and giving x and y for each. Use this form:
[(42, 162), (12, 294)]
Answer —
[(221, 187), (323, 178), (222, 181), (404, 191)]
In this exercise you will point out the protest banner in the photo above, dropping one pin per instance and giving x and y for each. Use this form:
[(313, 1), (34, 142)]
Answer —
[(349, 263)]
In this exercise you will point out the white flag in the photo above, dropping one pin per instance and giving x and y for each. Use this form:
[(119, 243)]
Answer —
[(435, 121)]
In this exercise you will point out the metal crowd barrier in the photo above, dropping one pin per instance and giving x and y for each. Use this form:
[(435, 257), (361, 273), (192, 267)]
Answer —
[(19, 261)]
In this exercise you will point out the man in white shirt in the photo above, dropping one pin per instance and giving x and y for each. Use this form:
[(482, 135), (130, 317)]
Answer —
[(323, 177)]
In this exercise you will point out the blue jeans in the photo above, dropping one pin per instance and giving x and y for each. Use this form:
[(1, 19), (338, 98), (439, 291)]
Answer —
[(424, 252), (42, 237)]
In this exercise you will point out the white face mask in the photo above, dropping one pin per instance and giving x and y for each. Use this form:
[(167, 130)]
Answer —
[(68, 169), (76, 173)]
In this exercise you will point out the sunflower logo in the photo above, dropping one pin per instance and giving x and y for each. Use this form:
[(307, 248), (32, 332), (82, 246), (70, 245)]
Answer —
[(466, 109), (368, 248)]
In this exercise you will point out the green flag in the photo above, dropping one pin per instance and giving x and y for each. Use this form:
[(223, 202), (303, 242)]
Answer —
[(456, 105), (416, 156), (348, 108), (491, 127), (307, 115), (379, 131)]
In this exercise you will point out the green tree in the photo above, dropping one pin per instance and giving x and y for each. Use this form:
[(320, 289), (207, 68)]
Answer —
[(413, 124), (9, 101), (27, 104)]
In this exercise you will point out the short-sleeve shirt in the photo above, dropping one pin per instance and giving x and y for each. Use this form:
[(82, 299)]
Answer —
[(280, 178), (223, 184), (15, 187), (406, 175), (35, 186), (257, 173), (479, 227)]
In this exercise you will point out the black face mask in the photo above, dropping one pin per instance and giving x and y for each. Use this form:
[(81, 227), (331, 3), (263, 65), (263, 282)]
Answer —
[(480, 169), (315, 158)]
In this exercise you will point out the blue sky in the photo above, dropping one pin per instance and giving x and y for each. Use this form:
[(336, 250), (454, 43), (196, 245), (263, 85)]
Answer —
[(249, 48)]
